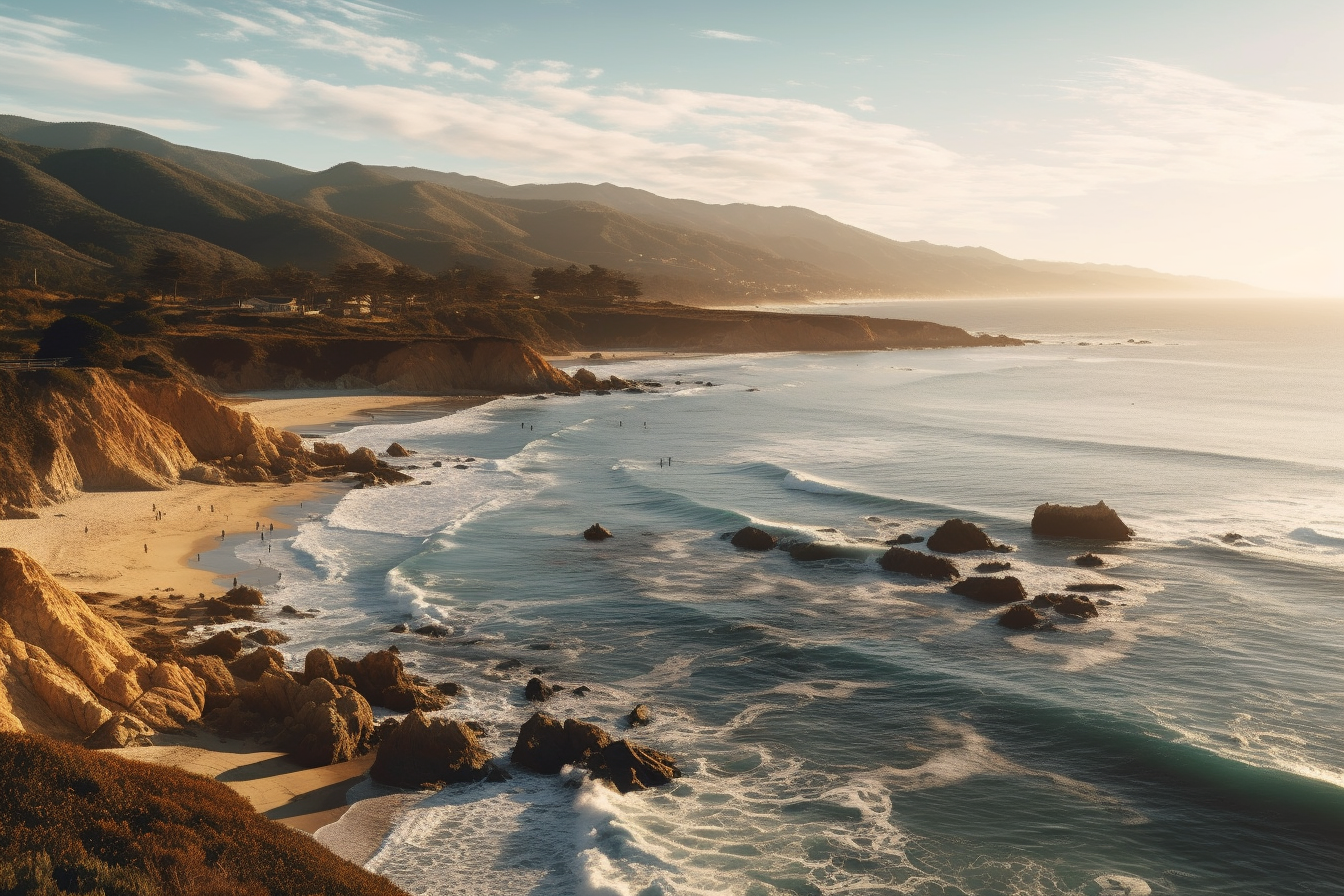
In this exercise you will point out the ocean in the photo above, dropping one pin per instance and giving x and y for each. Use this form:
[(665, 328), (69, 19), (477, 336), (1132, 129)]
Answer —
[(842, 729)]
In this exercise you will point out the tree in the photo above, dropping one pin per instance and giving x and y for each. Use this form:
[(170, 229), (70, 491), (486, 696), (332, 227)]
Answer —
[(596, 282), (167, 270), (292, 282), (85, 341)]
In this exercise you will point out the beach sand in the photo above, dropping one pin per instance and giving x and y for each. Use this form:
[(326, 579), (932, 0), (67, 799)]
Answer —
[(112, 546)]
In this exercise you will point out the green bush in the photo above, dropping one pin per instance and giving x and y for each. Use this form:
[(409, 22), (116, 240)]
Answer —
[(85, 341)]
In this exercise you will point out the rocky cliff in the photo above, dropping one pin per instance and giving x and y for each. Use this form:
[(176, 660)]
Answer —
[(66, 431), (66, 672), (231, 362)]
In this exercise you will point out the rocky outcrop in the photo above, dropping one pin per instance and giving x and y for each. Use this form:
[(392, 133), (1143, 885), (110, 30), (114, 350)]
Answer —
[(318, 723), (65, 671), (537, 691), (422, 752), (380, 678), (596, 532), (1089, 560), (993, 566), (1074, 605), (639, 716), (546, 745), (1096, 521), (749, 538), (957, 536), (396, 450), (1021, 616), (991, 589), (917, 563)]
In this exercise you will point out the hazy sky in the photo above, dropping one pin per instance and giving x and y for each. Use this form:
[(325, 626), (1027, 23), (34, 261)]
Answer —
[(1194, 136)]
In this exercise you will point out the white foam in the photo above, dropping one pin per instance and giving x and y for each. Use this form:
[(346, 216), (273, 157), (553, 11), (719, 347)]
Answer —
[(805, 482)]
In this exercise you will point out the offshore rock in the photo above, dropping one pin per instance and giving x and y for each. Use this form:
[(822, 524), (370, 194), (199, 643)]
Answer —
[(1021, 616), (423, 752), (632, 767), (1096, 521), (957, 536), (750, 538), (243, 596), (1089, 560), (538, 691), (991, 589), (639, 716), (596, 532), (917, 563), (395, 450), (993, 566)]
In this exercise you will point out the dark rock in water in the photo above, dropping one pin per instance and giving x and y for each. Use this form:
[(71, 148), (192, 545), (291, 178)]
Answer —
[(1020, 616), (1048, 600), (400, 628), (362, 460), (461, 467), (991, 589), (750, 538), (508, 665), (545, 745), (1077, 606), (586, 379), (268, 636), (596, 532), (537, 670), (217, 609), (543, 646), (437, 463), (434, 630), (1089, 587), (424, 752), (1089, 559), (243, 596), (581, 690), (905, 538), (640, 715), (960, 537), (993, 566), (602, 392), (632, 767), (814, 550), (287, 610), (395, 450), (916, 563), (225, 645), (1097, 522), (381, 678), (1233, 537), (448, 688), (537, 691)]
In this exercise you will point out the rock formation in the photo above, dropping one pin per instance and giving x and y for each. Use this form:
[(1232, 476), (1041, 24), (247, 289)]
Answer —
[(423, 752), (395, 450), (380, 678), (917, 563), (537, 691), (546, 745), (1068, 604), (65, 671), (991, 589), (1096, 521), (1021, 616), (318, 723), (639, 716), (993, 566), (1089, 560), (752, 539), (957, 536), (597, 532)]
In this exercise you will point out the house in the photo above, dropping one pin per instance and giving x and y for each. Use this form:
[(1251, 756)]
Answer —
[(272, 305)]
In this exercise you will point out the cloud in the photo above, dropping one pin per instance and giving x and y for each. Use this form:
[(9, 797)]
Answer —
[(478, 61), (726, 35), (863, 104)]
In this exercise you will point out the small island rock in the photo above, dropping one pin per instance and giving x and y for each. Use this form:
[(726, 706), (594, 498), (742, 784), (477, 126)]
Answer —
[(916, 563), (596, 532), (991, 589), (750, 538), (1097, 522)]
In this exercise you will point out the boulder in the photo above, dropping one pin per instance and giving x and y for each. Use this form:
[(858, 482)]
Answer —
[(991, 589), (122, 730), (400, 628), (596, 532), (586, 379), (326, 723), (1089, 587), (537, 691), (434, 630), (917, 563), (395, 450), (330, 454), (225, 645), (422, 752), (632, 767), (1089, 560), (993, 566), (251, 666), (361, 460), (906, 538), (957, 536), (220, 686), (268, 636), (319, 663), (639, 716), (217, 609), (243, 596), (382, 679), (1021, 616), (546, 745), (749, 538), (1077, 606), (1097, 522)]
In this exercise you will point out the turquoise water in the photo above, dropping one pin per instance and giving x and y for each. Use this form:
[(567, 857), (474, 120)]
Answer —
[(847, 730)]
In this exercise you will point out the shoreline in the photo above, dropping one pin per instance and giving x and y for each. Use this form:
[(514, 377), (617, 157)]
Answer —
[(112, 547)]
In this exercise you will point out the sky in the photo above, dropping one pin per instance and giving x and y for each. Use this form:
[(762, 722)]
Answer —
[(1191, 136)]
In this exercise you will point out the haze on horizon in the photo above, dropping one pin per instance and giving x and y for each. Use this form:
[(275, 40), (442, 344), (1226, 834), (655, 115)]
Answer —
[(1197, 137)]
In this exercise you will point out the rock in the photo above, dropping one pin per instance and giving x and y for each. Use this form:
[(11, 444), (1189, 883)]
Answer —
[(434, 630), (225, 645), (122, 730), (993, 566), (957, 536), (319, 663), (251, 666), (1097, 522), (437, 463), (595, 356), (461, 467), (581, 690), (268, 636), (1090, 587), (815, 550), (382, 679), (750, 538), (326, 724), (361, 460), (595, 532), (991, 589), (1077, 606), (542, 745), (917, 563), (330, 454), (243, 596), (448, 688), (586, 379), (423, 752), (1048, 600), (1020, 616), (395, 450), (632, 767), (217, 609), (400, 628), (905, 538), (287, 610), (537, 691), (1233, 537), (220, 686), (508, 665), (639, 716), (1089, 559)]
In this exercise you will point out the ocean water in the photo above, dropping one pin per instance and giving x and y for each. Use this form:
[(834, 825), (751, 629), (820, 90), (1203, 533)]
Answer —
[(843, 730)]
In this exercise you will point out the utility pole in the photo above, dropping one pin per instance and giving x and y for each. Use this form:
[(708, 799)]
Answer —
[(34, 278)]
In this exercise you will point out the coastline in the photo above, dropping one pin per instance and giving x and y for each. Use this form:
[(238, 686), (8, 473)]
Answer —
[(113, 546)]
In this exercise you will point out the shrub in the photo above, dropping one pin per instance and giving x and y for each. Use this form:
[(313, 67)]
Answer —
[(85, 341)]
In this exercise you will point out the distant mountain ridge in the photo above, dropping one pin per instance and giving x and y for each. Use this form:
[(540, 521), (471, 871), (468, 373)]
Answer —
[(260, 212)]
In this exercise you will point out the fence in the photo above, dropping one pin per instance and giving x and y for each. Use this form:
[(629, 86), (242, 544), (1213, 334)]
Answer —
[(31, 363)]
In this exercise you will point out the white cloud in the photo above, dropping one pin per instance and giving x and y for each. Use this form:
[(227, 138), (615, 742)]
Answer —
[(863, 104), (478, 61), (726, 35), (447, 68)]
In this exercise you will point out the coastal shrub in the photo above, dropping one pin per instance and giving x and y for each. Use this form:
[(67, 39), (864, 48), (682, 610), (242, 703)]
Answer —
[(80, 821), (85, 341)]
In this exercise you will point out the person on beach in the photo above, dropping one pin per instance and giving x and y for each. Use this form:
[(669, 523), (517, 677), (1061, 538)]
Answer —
[(271, 527), (146, 548), (235, 581)]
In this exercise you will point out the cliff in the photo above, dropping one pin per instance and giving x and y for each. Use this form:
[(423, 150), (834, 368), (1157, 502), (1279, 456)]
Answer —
[(65, 671), (232, 362), (65, 431)]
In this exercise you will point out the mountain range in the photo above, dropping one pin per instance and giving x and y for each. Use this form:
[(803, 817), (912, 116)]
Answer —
[(84, 195)]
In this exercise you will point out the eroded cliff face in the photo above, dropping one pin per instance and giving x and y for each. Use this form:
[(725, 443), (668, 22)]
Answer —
[(67, 431), (65, 671), (442, 366)]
